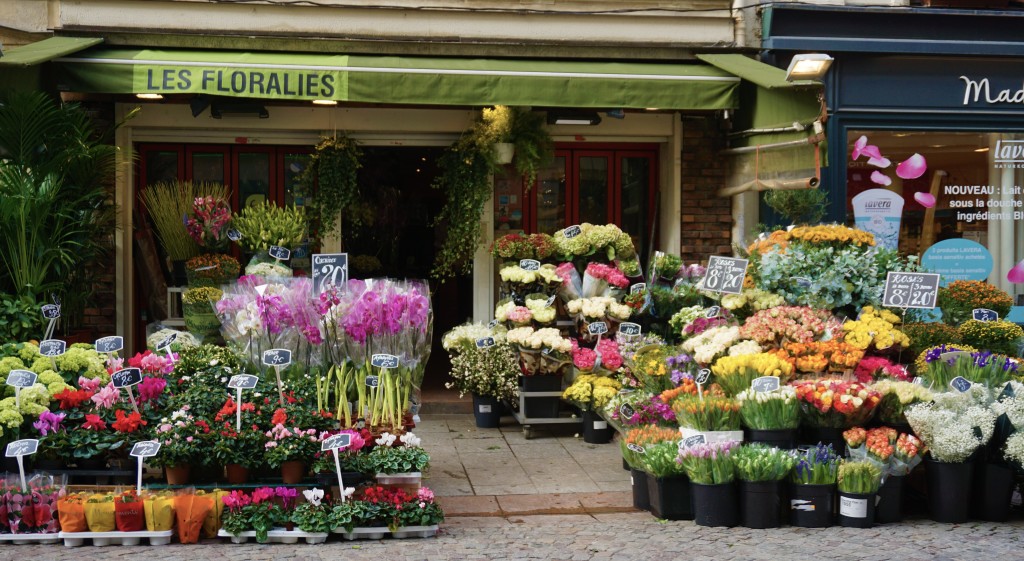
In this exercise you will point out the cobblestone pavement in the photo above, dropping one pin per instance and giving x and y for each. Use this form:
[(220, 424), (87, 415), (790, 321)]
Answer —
[(601, 537)]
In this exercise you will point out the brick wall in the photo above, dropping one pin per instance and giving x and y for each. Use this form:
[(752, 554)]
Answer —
[(706, 217)]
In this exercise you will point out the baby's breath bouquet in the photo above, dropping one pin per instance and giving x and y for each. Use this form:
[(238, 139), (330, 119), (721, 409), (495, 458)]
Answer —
[(952, 434), (487, 371)]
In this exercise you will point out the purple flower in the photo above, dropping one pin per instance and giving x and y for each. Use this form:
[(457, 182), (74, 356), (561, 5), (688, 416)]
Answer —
[(48, 422)]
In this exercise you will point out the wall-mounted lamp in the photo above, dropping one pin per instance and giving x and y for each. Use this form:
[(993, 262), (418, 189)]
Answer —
[(587, 118), (811, 66), (221, 109), (149, 96)]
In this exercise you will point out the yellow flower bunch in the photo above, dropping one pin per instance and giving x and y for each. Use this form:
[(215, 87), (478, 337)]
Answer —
[(875, 329), (591, 392), (735, 373)]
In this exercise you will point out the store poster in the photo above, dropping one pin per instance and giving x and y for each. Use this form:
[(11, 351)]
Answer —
[(879, 211)]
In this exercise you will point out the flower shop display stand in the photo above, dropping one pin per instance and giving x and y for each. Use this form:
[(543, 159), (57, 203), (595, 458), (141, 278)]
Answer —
[(529, 422), (379, 533), (279, 535), (75, 539), (96, 476), (30, 538)]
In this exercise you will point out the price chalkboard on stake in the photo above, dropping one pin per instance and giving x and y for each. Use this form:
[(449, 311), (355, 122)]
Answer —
[(529, 264), (21, 378), (636, 448), (765, 384), (166, 342), (329, 269), (110, 344), (694, 440), (280, 253), (52, 347), (627, 411), (551, 301), (725, 274), (336, 441), (630, 328), (960, 384), (702, 376), (234, 235), (277, 357), (984, 314), (243, 381), (372, 381), (145, 449), (713, 312), (572, 231), (51, 311), (597, 328), (384, 361), (126, 377), (492, 324), (23, 447), (638, 287), (485, 342), (910, 290)]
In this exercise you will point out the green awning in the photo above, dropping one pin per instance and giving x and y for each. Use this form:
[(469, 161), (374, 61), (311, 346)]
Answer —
[(764, 75), (400, 80), (47, 49)]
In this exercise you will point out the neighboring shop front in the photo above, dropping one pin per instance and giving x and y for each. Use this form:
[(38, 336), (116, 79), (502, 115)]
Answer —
[(929, 106)]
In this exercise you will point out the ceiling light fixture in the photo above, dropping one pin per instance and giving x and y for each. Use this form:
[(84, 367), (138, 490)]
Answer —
[(585, 118), (149, 96), (324, 102)]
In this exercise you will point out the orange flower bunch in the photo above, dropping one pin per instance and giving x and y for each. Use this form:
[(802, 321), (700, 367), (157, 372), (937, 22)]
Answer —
[(777, 241), (880, 442), (820, 356), (832, 233), (689, 387), (651, 434)]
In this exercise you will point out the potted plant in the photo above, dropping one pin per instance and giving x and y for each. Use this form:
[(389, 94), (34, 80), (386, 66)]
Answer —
[(958, 299), (197, 305), (770, 417), (184, 442), (167, 203), (398, 460), (761, 469), (238, 451), (858, 482), (313, 515), (668, 485), (265, 224), (329, 183), (258, 513), (489, 372), (812, 487), (211, 269), (89, 443), (418, 514), (292, 450), (712, 474)]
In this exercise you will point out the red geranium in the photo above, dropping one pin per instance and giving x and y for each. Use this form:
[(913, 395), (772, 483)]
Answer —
[(94, 422), (70, 399), (127, 423)]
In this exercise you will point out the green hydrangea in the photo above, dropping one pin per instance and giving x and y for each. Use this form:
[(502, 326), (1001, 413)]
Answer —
[(41, 365), (47, 377), (9, 363), (81, 361), (28, 352), (55, 388), (10, 418)]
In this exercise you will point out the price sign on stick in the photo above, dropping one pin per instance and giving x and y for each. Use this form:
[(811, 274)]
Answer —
[(234, 235), (713, 312), (960, 384), (572, 231), (51, 311), (638, 287), (20, 379), (765, 384), (597, 328), (52, 348), (334, 443), (725, 274), (529, 264), (385, 361), (372, 381), (111, 344), (629, 328), (636, 448), (910, 290), (329, 269), (126, 378), (280, 253), (626, 411), (691, 441), (701, 378), (240, 382), (18, 449), (278, 358), (144, 449), (485, 342), (984, 314)]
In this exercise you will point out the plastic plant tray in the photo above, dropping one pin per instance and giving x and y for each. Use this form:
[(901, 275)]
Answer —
[(74, 539), (50, 538), (278, 536)]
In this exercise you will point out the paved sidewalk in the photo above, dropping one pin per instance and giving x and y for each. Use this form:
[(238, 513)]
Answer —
[(498, 472)]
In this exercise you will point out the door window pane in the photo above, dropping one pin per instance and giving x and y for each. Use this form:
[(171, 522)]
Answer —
[(161, 166), (508, 203), (208, 167), (593, 189), (253, 178), (293, 166), (550, 193), (635, 178)]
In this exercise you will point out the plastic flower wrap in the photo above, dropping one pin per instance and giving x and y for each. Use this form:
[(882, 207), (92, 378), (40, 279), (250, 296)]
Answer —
[(591, 393), (820, 356), (897, 396), (710, 463), (464, 337), (835, 403), (735, 373), (209, 224), (750, 301), (776, 410), (599, 278), (789, 324), (875, 331), (649, 366), (519, 282), (708, 414), (540, 311), (541, 351), (598, 308), (952, 436)]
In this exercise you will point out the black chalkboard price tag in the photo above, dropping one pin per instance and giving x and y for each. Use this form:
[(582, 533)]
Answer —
[(280, 253), (693, 440), (372, 381), (335, 442), (802, 282), (21, 378), (629, 328), (51, 311), (110, 344), (765, 384), (52, 347), (910, 290), (702, 376), (329, 269), (725, 274), (145, 449), (636, 448), (126, 377), (572, 231), (243, 381), (166, 342), (384, 361), (984, 314), (234, 235), (626, 410), (638, 287), (22, 447), (529, 264), (713, 312), (485, 342), (960, 384), (277, 357), (492, 324), (597, 328)]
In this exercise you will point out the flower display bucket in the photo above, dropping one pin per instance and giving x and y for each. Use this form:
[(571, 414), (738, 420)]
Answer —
[(715, 505), (540, 407), (641, 496), (760, 503), (486, 411), (670, 497), (784, 439), (236, 473), (293, 472), (890, 500), (857, 510), (949, 490), (596, 429), (178, 475), (993, 490), (812, 506)]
